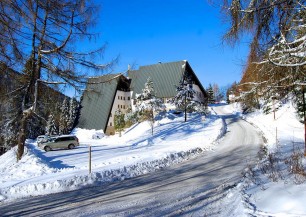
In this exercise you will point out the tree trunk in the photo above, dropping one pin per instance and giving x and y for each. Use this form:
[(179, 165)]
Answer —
[(304, 111), (22, 136), (152, 116), (185, 108)]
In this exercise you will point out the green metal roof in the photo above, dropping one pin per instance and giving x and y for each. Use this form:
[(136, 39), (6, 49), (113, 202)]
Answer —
[(99, 96), (97, 101), (165, 77)]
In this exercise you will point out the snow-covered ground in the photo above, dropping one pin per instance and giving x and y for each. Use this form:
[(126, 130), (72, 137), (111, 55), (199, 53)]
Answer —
[(114, 158), (277, 185)]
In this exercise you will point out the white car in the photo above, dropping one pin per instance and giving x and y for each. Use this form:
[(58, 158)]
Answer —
[(60, 142), (42, 138)]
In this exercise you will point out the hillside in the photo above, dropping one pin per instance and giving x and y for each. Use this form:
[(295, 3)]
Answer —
[(276, 186), (113, 158)]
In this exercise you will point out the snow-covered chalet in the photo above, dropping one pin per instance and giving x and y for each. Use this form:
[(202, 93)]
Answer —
[(108, 93)]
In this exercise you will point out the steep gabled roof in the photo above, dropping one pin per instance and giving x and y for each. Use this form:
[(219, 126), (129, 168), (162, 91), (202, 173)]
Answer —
[(165, 76), (100, 92), (98, 100), (195, 78)]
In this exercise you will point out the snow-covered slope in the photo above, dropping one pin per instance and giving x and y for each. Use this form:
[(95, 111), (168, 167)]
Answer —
[(277, 186), (113, 158)]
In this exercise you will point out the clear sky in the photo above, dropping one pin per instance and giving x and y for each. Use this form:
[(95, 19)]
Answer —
[(144, 32)]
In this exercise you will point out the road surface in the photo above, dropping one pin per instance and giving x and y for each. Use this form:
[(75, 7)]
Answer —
[(203, 186)]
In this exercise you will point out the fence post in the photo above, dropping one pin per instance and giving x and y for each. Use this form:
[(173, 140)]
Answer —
[(276, 136), (89, 159)]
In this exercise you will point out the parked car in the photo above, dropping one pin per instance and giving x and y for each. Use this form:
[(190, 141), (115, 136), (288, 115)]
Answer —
[(64, 141)]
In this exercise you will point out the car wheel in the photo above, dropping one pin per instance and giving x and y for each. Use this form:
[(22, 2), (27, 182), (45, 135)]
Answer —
[(71, 146), (47, 148)]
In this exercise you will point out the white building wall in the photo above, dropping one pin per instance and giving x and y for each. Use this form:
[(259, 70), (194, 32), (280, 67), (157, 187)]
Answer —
[(133, 102), (123, 102), (198, 95)]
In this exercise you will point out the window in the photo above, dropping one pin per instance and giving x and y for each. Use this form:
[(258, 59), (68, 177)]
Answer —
[(110, 124), (118, 97), (118, 106), (121, 106), (124, 98), (111, 115), (121, 97), (129, 98), (124, 106)]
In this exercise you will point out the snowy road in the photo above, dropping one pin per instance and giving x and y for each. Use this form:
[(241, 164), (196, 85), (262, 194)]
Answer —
[(204, 186)]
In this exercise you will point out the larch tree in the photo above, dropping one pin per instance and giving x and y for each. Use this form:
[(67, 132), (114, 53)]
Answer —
[(278, 44), (44, 34), (277, 26)]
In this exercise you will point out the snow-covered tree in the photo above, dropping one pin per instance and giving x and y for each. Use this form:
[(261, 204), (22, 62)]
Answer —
[(119, 121), (278, 28), (184, 97), (278, 44), (73, 110), (10, 134), (48, 34), (202, 109), (218, 95), (210, 92), (131, 117), (51, 128), (300, 102), (64, 117), (148, 103)]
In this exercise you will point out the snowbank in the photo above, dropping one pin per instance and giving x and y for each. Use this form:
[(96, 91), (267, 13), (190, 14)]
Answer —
[(273, 188), (114, 158), (84, 134)]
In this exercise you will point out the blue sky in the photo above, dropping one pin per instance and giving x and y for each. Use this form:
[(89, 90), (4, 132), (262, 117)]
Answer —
[(144, 32)]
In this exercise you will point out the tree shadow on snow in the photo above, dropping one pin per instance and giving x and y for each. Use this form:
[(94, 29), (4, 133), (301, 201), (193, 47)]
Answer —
[(50, 161), (208, 173), (184, 129)]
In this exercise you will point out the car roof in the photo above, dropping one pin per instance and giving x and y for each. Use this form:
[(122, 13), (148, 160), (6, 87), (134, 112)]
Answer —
[(65, 136)]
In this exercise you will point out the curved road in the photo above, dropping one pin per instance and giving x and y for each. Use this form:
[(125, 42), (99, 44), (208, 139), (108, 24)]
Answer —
[(204, 186)]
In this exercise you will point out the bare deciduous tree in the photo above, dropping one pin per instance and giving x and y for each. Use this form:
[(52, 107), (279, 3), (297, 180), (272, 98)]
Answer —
[(45, 34), (278, 46)]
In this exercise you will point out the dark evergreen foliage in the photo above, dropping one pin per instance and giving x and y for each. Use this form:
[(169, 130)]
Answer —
[(210, 92)]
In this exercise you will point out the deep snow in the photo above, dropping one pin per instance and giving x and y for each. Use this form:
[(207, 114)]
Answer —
[(266, 190), (270, 188), (114, 158)]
